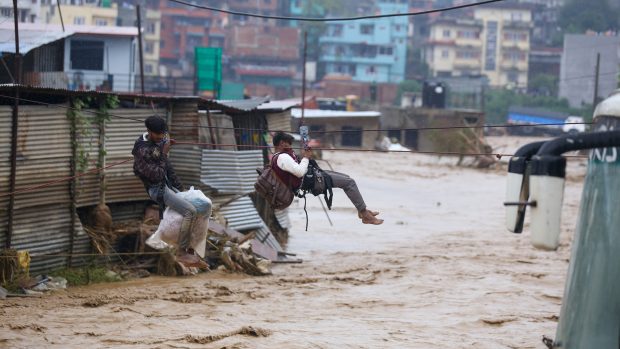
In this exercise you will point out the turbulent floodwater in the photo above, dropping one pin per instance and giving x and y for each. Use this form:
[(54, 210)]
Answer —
[(442, 271)]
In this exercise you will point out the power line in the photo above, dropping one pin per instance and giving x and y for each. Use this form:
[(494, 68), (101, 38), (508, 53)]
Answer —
[(314, 132), (335, 19)]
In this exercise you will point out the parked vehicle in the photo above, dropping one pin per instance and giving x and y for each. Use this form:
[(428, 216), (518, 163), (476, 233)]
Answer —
[(573, 125), (537, 121)]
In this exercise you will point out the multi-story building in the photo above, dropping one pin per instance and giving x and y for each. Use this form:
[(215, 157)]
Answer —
[(263, 56), (151, 33), (454, 47), (28, 11), (183, 29), (81, 13), (505, 43), (262, 7), (368, 50), (494, 43)]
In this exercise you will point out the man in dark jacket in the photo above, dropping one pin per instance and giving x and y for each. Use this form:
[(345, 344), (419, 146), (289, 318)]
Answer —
[(152, 166)]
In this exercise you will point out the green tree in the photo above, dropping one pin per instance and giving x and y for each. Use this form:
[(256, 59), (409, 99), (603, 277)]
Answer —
[(544, 85), (407, 86), (498, 101), (577, 16)]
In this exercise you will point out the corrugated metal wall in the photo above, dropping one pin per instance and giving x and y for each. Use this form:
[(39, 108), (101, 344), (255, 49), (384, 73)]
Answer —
[(42, 218), (279, 121), (230, 172), (185, 114), (5, 168), (122, 184)]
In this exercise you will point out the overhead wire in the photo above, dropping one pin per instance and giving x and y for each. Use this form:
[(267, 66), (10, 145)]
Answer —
[(334, 19), (314, 132)]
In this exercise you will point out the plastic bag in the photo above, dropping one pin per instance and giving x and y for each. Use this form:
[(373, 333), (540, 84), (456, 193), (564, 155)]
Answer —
[(200, 201), (167, 234)]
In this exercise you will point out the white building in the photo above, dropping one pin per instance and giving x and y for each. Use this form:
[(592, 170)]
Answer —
[(80, 58)]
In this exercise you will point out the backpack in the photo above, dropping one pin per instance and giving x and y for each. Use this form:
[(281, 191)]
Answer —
[(317, 182), (275, 191)]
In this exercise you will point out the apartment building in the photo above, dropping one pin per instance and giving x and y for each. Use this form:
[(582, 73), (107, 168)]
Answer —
[(368, 50), (494, 43), (81, 13)]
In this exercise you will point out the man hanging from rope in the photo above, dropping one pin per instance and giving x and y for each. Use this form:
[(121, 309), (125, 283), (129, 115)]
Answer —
[(291, 170), (152, 166)]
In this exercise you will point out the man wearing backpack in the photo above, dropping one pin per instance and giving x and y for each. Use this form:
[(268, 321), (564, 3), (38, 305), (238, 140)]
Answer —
[(152, 166), (291, 170)]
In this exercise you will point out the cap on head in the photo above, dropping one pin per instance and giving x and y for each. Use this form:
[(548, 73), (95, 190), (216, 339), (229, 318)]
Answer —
[(156, 124)]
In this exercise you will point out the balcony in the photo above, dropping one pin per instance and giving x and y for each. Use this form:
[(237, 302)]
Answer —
[(508, 64), (517, 25)]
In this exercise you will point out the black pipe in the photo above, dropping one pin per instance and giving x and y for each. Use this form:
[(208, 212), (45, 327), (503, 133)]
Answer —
[(580, 141), (518, 163)]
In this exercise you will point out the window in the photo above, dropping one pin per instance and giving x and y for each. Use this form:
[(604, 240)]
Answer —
[(371, 70), (514, 56), (367, 29), (101, 22), (337, 30), (397, 27), (513, 76), (150, 28), (149, 47), (467, 54), (445, 54), (411, 139), (351, 136), (162, 43), (87, 55), (148, 68), (446, 33), (385, 50), (468, 34), (79, 20)]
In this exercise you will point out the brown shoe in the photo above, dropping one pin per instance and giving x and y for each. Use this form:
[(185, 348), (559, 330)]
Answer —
[(191, 260), (368, 218), (374, 213)]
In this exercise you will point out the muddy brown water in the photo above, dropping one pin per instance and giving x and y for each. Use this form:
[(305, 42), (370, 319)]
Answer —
[(442, 271)]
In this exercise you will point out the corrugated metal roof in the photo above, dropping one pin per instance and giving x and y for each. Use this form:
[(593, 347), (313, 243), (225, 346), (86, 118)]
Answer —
[(230, 172), (33, 35), (243, 104), (281, 105), (320, 113)]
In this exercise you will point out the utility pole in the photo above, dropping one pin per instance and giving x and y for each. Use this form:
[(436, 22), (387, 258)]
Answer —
[(17, 76), (303, 80), (596, 73), (140, 49)]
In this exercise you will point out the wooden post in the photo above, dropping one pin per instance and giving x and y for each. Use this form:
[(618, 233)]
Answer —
[(14, 134), (140, 49)]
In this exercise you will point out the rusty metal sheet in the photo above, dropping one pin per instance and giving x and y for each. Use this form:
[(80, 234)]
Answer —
[(258, 247), (5, 150), (240, 213)]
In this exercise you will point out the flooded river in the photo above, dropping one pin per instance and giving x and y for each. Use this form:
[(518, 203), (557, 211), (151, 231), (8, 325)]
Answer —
[(441, 272)]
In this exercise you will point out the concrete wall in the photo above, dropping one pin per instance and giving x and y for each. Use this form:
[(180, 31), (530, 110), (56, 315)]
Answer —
[(578, 64), (119, 60), (335, 124)]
